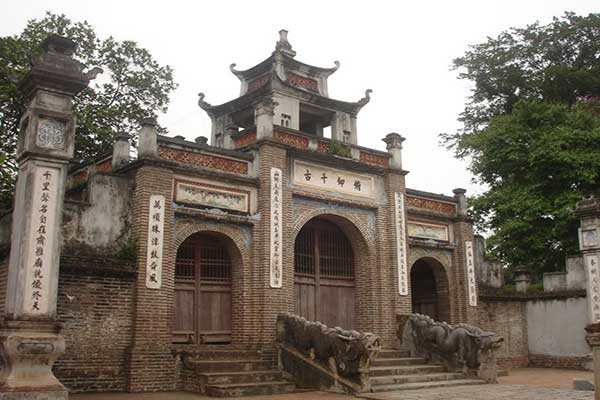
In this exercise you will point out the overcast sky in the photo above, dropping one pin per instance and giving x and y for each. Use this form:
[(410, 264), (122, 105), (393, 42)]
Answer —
[(402, 50)]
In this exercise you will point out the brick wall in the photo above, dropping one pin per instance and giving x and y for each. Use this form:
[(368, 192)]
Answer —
[(95, 300), (152, 366), (509, 320), (567, 362)]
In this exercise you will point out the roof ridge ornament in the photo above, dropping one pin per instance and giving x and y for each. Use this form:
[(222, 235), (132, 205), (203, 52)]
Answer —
[(203, 104), (283, 46), (362, 102), (235, 71)]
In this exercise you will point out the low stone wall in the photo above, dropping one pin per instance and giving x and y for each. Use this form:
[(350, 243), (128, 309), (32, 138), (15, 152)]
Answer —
[(540, 330), (507, 319), (566, 362), (95, 303)]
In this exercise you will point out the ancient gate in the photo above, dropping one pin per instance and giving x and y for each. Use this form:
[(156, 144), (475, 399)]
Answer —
[(429, 286), (203, 290), (324, 283)]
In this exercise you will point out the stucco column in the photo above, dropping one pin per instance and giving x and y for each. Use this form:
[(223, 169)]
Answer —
[(121, 149), (588, 210), (29, 334), (393, 143), (593, 338), (265, 110)]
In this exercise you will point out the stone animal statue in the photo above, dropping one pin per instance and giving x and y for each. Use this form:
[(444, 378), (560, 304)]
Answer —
[(350, 350), (460, 345)]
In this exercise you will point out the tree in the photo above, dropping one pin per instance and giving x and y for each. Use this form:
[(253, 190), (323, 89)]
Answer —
[(531, 132), (133, 86)]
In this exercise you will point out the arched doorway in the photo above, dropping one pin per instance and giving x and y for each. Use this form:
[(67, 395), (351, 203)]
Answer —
[(429, 285), (203, 270), (324, 281)]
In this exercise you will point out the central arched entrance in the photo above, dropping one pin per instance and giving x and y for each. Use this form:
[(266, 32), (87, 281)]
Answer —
[(203, 270), (429, 285), (324, 278)]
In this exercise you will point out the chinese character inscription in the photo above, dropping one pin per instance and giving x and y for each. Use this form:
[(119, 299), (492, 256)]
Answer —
[(276, 263), (401, 244), (41, 239), (154, 255), (472, 286)]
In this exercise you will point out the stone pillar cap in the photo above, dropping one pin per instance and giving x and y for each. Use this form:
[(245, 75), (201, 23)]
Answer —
[(201, 140), (459, 191), (149, 121), (122, 136), (393, 140)]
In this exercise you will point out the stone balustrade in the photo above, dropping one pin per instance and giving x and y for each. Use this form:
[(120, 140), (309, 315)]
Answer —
[(460, 347), (319, 356)]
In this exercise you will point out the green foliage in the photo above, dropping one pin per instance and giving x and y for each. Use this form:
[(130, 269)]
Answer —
[(532, 136), (339, 149), (132, 86), (128, 251)]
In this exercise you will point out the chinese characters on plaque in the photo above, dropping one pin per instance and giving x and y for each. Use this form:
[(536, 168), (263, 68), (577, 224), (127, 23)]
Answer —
[(428, 231), (212, 196), (472, 292), (41, 237), (593, 275), (333, 180), (154, 253), (275, 259), (401, 244)]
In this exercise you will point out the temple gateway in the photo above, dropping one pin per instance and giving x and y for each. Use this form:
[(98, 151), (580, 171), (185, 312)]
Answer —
[(176, 264)]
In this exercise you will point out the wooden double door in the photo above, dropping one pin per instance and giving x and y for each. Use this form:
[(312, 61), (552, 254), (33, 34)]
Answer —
[(324, 283), (202, 291), (424, 290)]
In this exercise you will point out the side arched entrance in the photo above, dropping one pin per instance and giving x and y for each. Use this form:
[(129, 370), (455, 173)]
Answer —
[(203, 286), (324, 274), (429, 284)]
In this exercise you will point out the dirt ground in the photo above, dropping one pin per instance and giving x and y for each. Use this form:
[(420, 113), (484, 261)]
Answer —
[(545, 377)]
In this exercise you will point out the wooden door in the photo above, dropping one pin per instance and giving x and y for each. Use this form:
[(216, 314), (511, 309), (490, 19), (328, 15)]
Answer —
[(324, 285), (202, 291), (424, 290)]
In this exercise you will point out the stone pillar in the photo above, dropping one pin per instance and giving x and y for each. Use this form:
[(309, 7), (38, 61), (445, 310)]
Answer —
[(29, 335), (588, 210), (522, 280), (121, 150), (393, 143), (461, 199), (593, 338), (265, 110), (148, 142)]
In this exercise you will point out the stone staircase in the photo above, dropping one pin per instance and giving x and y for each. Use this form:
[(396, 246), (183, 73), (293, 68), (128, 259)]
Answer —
[(394, 370), (234, 373)]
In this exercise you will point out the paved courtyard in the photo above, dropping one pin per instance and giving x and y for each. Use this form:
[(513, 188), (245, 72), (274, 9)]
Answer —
[(478, 392), (521, 384)]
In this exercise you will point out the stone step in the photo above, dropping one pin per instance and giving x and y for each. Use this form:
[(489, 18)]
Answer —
[(406, 370), (231, 365), (224, 354), (426, 385), (399, 379), (391, 353), (217, 378), (381, 362), (250, 389)]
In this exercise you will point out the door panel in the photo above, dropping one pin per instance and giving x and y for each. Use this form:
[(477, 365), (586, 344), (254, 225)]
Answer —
[(324, 286), (202, 291)]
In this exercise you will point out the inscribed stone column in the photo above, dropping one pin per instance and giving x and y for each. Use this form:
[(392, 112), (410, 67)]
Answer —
[(29, 335), (588, 210), (392, 294)]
